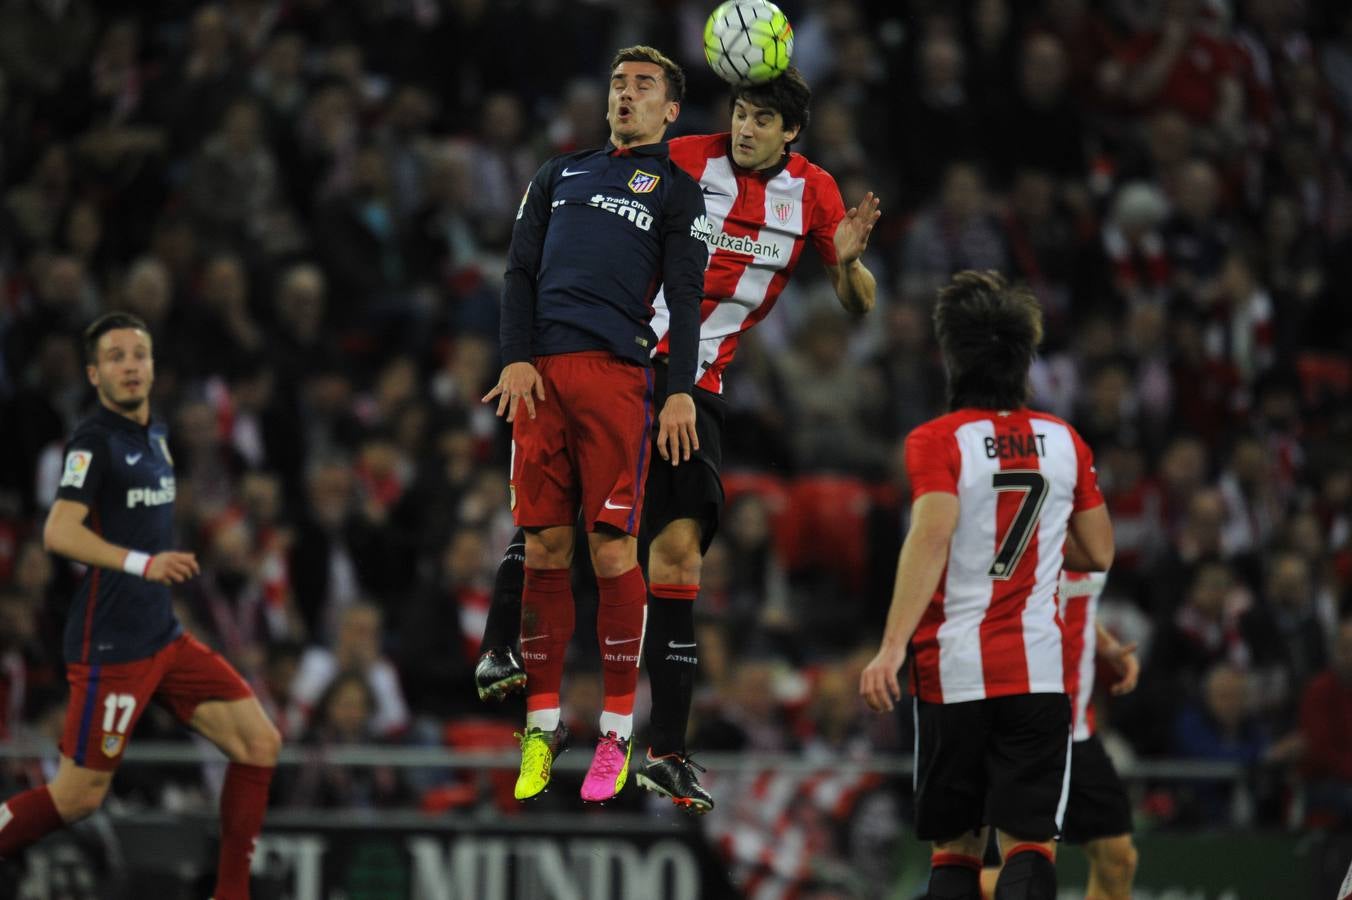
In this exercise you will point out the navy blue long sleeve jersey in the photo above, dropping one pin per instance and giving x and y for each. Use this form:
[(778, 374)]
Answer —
[(596, 235), (124, 474)]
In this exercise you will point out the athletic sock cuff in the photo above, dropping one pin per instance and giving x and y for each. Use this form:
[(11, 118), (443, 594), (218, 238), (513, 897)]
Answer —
[(1031, 848), (675, 591), (551, 581), (260, 774)]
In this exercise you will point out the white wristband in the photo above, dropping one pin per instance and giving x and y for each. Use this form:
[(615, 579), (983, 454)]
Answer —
[(136, 563)]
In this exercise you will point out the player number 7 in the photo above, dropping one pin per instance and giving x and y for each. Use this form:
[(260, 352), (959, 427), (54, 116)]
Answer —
[(1015, 541), (111, 704)]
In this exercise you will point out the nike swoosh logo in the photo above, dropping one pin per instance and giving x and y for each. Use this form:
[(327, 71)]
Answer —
[(675, 646), (710, 192), (610, 505), (133, 458), (568, 173), (533, 637), (610, 643)]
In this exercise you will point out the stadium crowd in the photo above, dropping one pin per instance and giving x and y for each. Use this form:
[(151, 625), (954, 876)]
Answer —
[(310, 202)]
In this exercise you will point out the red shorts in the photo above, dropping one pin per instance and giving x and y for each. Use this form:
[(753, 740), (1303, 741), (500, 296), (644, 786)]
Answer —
[(106, 700), (588, 445)]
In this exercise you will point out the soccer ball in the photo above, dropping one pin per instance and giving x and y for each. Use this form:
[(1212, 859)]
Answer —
[(748, 41)]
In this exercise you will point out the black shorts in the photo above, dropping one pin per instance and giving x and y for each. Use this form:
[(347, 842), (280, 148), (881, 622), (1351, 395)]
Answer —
[(1000, 761), (1098, 805), (692, 490)]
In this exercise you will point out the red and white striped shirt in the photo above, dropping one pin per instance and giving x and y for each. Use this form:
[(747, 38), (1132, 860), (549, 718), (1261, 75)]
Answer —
[(756, 225), (1078, 597), (992, 628)]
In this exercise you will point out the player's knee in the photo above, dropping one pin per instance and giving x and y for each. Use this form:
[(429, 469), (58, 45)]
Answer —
[(613, 558), (675, 562), (263, 745), (78, 801), (547, 549), (1114, 861)]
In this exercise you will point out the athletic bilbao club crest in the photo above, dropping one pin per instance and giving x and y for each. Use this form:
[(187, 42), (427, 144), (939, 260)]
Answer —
[(164, 448), (643, 183), (783, 210), (112, 744)]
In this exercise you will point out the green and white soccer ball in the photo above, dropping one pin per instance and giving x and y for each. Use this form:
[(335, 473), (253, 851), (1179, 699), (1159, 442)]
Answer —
[(748, 41)]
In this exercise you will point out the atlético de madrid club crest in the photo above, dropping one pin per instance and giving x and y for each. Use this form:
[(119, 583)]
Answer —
[(112, 744), (643, 183)]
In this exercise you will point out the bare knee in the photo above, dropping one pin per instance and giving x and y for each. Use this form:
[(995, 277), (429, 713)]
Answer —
[(1112, 863), (78, 797), (613, 556), (549, 548), (260, 745), (674, 557)]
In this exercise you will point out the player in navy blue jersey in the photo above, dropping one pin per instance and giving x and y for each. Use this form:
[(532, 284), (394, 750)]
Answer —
[(123, 645), (597, 234)]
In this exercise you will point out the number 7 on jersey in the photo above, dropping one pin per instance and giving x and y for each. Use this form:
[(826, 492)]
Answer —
[(1015, 541)]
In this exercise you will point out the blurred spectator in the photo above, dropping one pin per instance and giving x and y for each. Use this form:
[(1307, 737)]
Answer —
[(356, 652), (40, 413), (958, 232), (1326, 730), (1205, 631), (1221, 727), (831, 400), (1284, 632), (937, 124), (345, 714), (442, 627), (340, 554), (1042, 126), (1134, 261), (1195, 235), (232, 190), (1179, 65)]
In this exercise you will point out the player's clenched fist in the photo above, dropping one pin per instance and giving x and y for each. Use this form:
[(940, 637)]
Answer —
[(172, 567)]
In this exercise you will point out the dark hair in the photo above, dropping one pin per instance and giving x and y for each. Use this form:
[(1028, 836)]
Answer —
[(988, 331), (788, 95), (104, 324), (642, 53)]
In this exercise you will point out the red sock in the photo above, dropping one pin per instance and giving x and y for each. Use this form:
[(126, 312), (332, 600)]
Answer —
[(26, 819), (620, 616), (244, 799), (546, 629)]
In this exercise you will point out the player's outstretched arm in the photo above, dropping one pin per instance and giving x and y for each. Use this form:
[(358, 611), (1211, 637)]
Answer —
[(66, 534), (934, 518), (854, 283)]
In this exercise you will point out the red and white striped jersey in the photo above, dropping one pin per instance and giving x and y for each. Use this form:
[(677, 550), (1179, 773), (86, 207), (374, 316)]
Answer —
[(1077, 598), (756, 223), (992, 628)]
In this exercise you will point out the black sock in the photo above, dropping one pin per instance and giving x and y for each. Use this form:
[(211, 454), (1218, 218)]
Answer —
[(503, 627), (671, 656), (954, 876), (1027, 875)]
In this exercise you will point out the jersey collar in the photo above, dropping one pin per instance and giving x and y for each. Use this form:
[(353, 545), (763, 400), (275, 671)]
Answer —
[(114, 420), (657, 150)]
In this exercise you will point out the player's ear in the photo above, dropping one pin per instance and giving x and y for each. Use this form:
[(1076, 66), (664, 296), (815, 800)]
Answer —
[(92, 373), (791, 134), (673, 111)]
